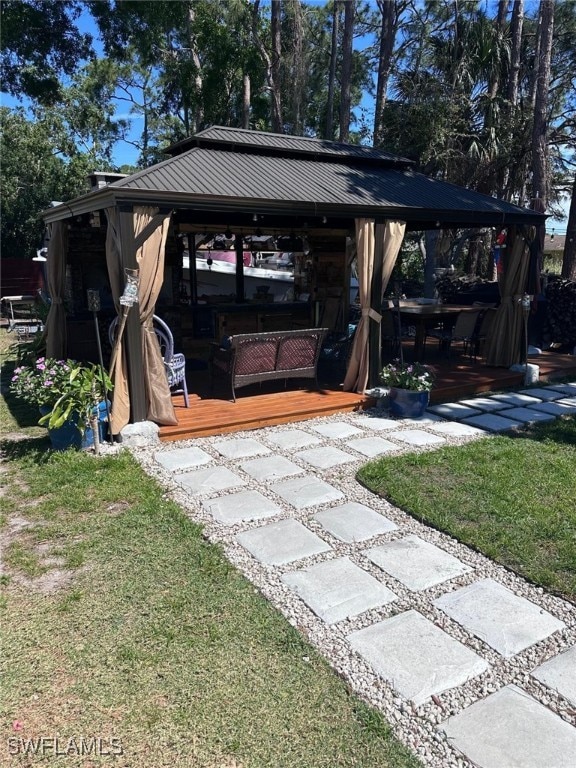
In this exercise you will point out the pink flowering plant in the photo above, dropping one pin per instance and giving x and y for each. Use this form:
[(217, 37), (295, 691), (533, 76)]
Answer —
[(414, 377), (42, 383)]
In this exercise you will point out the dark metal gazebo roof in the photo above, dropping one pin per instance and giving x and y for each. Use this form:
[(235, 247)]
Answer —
[(233, 170)]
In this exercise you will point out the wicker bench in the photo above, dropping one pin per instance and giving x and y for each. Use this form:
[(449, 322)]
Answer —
[(251, 358)]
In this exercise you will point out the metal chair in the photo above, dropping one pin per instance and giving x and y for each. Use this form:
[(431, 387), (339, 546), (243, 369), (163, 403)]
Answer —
[(174, 362)]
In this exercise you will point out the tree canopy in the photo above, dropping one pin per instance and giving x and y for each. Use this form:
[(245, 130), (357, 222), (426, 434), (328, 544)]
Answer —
[(478, 93)]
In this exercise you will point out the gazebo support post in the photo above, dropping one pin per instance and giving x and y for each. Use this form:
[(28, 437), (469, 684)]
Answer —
[(239, 248)]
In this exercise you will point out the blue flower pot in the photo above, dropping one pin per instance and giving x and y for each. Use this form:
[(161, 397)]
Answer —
[(69, 436), (407, 404)]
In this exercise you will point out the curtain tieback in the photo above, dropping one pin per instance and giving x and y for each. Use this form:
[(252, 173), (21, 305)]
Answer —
[(372, 314), (57, 300)]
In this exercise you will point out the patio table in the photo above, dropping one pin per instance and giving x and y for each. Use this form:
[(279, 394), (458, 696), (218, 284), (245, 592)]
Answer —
[(422, 315)]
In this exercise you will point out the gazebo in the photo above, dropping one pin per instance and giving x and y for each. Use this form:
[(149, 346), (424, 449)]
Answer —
[(245, 181)]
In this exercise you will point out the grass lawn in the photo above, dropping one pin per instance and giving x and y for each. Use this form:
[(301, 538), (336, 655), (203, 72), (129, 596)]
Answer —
[(512, 498), (120, 621)]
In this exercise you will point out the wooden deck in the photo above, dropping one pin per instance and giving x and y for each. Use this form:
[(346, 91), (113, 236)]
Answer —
[(262, 407)]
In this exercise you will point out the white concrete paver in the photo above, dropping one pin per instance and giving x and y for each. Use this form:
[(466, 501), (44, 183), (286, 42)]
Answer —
[(325, 457), (291, 439), (415, 656), (509, 729), (182, 458), (507, 622), (282, 542), (353, 522), (416, 563), (273, 468), (492, 422), (338, 589), (240, 448), (372, 446), (336, 429), (559, 674), (307, 491), (200, 481), (236, 507)]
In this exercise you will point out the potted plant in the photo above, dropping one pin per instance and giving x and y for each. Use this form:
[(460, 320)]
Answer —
[(409, 386), (71, 397)]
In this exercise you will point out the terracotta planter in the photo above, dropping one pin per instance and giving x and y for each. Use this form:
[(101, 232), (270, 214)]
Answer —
[(407, 404)]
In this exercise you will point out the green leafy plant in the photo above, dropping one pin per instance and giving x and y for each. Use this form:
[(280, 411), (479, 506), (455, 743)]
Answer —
[(85, 388), (414, 377)]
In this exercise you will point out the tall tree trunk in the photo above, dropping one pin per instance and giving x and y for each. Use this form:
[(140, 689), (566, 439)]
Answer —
[(388, 11), (246, 100), (272, 83), (198, 82), (569, 257), (329, 126), (346, 77), (516, 29), (298, 69), (540, 169), (276, 62)]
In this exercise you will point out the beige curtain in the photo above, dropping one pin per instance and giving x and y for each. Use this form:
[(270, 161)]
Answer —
[(358, 368), (504, 344), (120, 413), (150, 258), (56, 276)]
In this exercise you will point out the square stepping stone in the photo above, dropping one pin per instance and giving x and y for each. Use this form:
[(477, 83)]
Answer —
[(354, 522), (454, 411), (527, 415), (307, 491), (567, 389), (378, 423), (510, 729), (416, 657), (558, 408), (246, 505), (290, 439), (338, 589), (202, 481), (542, 393), (325, 457), (506, 622), (372, 446), (455, 429), (182, 458), (568, 401), (492, 422), (240, 448), (282, 542), (488, 404), (559, 673), (516, 398), (336, 429), (271, 468), (417, 437), (416, 563)]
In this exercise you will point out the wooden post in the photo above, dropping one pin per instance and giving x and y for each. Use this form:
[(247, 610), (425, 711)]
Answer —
[(239, 248)]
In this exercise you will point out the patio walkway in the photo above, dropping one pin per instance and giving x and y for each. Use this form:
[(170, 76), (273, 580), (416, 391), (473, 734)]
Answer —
[(470, 664)]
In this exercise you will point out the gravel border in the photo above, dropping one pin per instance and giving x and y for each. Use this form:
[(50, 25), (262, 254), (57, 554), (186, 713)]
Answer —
[(416, 727)]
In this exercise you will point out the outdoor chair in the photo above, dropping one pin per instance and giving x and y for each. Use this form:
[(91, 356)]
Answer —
[(482, 330), (174, 362), (393, 333), (462, 331)]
